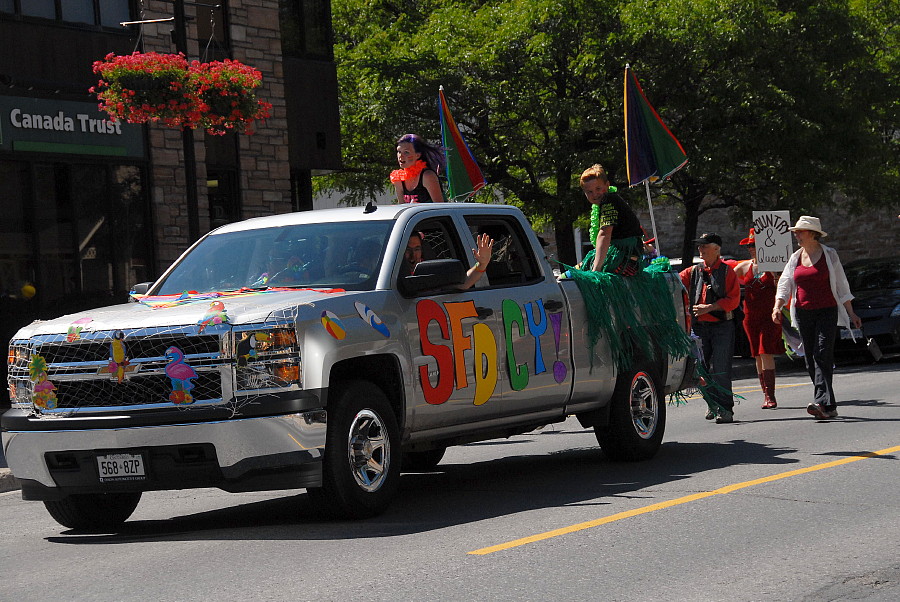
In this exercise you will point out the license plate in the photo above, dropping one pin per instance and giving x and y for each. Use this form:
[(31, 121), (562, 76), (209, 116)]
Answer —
[(845, 334), (120, 467)]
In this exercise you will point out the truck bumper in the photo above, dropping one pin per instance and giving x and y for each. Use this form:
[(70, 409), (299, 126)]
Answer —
[(240, 454)]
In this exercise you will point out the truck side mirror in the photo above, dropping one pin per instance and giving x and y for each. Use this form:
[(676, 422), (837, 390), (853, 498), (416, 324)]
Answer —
[(139, 289), (433, 274)]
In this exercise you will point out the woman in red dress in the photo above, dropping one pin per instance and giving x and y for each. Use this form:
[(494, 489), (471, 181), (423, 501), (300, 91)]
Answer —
[(763, 335)]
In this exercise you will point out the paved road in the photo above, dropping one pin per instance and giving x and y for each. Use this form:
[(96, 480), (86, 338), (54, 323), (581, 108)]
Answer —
[(776, 506)]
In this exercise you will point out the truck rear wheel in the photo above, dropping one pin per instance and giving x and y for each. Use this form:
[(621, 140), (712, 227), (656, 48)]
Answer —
[(637, 416), (93, 511), (361, 469)]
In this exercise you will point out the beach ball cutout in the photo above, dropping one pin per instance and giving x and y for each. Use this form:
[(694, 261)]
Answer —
[(333, 325)]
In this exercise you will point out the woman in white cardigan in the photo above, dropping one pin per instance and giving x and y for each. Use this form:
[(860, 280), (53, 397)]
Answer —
[(814, 280)]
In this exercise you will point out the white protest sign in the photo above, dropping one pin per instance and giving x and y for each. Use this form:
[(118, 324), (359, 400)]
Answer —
[(774, 243)]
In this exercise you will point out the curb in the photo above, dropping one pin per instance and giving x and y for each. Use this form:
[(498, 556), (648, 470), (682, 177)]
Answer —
[(7, 481)]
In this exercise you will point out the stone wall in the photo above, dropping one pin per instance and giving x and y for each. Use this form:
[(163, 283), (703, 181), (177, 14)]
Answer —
[(871, 233), (264, 169)]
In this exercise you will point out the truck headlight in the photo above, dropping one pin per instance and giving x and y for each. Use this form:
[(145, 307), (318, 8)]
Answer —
[(18, 382), (267, 358)]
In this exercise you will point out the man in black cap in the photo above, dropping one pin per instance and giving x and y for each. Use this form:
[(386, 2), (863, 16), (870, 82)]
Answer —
[(714, 293)]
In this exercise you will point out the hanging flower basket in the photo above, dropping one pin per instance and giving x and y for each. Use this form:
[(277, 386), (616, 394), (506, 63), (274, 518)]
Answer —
[(144, 87), (226, 95), (219, 96)]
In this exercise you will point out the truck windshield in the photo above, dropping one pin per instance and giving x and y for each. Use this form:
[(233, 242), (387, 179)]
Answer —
[(334, 255)]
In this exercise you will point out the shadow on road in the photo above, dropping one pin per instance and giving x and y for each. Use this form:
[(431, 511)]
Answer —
[(456, 494)]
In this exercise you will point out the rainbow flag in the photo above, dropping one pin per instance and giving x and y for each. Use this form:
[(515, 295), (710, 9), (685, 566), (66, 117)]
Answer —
[(464, 177), (651, 151)]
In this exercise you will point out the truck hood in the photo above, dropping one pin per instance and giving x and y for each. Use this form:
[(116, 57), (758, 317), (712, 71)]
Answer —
[(240, 309)]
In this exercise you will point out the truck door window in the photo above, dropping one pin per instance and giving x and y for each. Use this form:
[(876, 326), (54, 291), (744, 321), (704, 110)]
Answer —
[(512, 261), (431, 239)]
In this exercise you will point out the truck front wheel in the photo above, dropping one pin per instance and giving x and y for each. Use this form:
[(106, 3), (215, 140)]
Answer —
[(637, 417), (93, 511), (361, 469)]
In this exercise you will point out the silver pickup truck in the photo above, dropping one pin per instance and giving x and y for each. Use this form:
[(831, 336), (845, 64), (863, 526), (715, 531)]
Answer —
[(306, 351)]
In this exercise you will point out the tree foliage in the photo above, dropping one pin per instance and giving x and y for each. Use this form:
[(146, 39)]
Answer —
[(778, 103)]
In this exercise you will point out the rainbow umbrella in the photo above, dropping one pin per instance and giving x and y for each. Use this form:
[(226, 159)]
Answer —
[(464, 177), (651, 151)]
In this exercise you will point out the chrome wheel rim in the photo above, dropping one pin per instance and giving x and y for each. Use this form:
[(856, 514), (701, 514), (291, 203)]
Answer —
[(644, 405), (369, 450)]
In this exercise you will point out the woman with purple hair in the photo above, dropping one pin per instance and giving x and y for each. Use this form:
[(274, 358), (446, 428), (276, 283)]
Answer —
[(417, 179)]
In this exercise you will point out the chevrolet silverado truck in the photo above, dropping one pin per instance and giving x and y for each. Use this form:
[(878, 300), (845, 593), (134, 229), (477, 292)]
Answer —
[(306, 351)]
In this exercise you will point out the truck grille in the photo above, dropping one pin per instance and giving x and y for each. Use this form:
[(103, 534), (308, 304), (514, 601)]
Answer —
[(80, 370)]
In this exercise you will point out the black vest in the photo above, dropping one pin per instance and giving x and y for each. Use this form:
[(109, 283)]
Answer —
[(715, 285)]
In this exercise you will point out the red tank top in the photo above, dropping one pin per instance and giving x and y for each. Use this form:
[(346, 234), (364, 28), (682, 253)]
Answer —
[(813, 286)]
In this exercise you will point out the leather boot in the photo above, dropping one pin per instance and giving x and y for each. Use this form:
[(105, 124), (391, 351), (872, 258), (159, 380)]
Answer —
[(762, 385), (768, 381)]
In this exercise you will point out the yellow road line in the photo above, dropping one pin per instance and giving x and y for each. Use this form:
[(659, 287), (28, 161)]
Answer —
[(682, 500), (757, 389)]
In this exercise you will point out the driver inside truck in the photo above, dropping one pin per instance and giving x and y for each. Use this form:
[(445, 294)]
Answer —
[(415, 250), (284, 266)]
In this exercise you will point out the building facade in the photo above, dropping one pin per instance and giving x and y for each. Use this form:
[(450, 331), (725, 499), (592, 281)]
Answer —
[(91, 207)]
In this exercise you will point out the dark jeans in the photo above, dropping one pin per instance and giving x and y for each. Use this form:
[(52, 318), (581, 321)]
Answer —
[(818, 329), (717, 343)]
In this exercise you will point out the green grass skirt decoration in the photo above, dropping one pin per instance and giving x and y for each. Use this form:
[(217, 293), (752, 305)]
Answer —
[(635, 314)]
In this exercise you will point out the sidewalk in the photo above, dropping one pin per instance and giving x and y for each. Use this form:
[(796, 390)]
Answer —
[(7, 481)]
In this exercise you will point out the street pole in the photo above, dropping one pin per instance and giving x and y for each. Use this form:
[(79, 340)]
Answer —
[(187, 136)]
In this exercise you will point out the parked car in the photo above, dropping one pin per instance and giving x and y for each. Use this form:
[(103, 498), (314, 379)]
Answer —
[(875, 283)]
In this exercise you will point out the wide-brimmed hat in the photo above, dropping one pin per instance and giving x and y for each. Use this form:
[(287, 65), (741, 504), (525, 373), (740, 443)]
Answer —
[(808, 222), (749, 240), (709, 238)]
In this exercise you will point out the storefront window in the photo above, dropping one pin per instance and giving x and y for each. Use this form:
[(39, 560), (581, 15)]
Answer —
[(39, 8), (306, 28), (78, 11), (78, 233), (113, 12)]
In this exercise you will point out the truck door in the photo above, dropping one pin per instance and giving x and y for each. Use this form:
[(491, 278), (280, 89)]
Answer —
[(453, 335), (535, 368)]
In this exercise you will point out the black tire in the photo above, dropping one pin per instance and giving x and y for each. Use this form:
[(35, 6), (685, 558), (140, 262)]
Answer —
[(361, 469), (423, 460), (93, 511), (637, 417)]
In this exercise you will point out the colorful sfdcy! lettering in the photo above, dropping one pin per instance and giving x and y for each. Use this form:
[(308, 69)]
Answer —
[(450, 355)]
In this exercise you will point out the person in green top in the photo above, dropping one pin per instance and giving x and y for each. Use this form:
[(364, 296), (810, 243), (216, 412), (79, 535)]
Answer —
[(615, 229)]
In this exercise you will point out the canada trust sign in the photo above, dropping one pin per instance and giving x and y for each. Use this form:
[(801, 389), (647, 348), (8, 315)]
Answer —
[(61, 123), (64, 126)]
